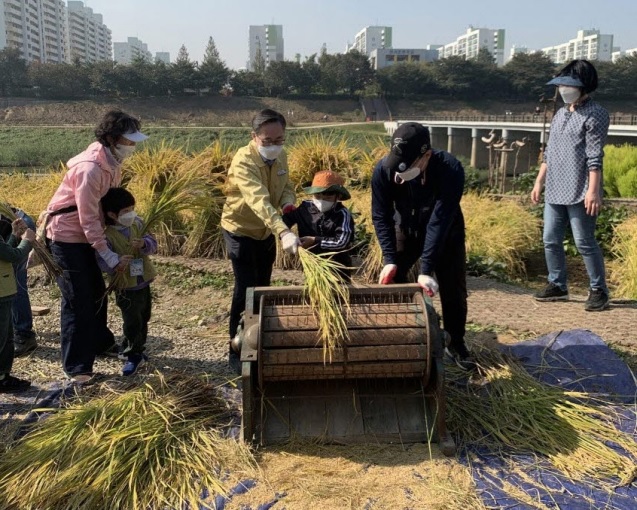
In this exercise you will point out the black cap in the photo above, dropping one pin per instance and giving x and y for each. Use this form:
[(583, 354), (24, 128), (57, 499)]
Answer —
[(408, 143)]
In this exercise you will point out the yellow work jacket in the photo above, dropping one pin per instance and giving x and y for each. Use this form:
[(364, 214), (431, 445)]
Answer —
[(255, 193)]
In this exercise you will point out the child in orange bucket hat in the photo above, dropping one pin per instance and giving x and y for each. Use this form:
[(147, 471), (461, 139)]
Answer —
[(325, 225)]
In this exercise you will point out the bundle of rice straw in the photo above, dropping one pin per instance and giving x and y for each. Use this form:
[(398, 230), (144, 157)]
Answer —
[(328, 295), (184, 191), (159, 445), (43, 255), (513, 412)]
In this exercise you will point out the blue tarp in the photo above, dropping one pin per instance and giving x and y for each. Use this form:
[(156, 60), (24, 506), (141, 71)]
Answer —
[(575, 360)]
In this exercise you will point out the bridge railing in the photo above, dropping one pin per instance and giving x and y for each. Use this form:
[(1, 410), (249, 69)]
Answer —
[(615, 119)]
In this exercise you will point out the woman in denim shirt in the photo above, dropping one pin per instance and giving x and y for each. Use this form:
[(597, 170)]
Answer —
[(571, 175)]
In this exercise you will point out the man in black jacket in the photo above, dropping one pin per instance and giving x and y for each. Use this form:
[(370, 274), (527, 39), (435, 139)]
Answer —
[(416, 194)]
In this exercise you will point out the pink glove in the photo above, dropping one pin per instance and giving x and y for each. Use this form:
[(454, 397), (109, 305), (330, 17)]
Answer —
[(387, 274), (288, 208), (428, 284)]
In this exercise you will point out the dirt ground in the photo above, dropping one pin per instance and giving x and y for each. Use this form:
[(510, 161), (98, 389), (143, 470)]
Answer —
[(188, 333)]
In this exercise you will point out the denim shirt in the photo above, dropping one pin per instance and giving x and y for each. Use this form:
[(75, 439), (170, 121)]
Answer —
[(575, 147)]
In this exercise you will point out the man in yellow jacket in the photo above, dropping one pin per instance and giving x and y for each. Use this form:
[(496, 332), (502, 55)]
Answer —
[(257, 192)]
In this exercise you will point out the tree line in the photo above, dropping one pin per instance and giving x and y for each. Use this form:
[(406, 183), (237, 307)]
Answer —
[(349, 74)]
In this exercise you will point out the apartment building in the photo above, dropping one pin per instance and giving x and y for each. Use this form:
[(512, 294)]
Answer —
[(126, 52), (90, 39), (386, 57), (371, 38), (162, 56), (589, 45), (469, 44), (35, 27), (267, 38)]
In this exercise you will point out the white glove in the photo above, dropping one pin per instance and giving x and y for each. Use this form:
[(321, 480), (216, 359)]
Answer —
[(428, 284), (387, 274), (290, 243)]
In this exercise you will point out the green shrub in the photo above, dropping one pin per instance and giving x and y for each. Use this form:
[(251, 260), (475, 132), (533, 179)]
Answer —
[(620, 171)]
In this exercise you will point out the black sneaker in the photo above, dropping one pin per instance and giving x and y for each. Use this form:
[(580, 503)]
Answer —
[(551, 292), (11, 384), (597, 301), (24, 345), (461, 356)]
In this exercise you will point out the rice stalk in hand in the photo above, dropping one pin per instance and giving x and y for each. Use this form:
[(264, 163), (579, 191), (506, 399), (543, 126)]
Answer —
[(159, 445), (513, 412), (180, 192), (51, 267), (328, 295)]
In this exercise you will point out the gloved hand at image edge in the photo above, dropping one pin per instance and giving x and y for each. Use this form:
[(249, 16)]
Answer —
[(428, 284), (290, 242), (387, 274)]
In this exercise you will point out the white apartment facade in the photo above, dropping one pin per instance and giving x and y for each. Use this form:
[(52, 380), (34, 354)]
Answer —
[(387, 57), (35, 27), (269, 38), (617, 54), (126, 52), (90, 40), (162, 56), (469, 44), (371, 38), (589, 45)]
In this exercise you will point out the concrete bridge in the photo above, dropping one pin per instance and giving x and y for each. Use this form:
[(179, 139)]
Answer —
[(480, 141)]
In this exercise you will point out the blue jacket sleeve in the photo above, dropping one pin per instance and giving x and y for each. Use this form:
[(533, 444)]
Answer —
[(383, 213), (445, 209)]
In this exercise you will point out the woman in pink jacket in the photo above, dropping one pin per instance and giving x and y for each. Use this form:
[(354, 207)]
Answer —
[(76, 230)]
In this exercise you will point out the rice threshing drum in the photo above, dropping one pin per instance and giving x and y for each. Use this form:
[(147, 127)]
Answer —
[(386, 384)]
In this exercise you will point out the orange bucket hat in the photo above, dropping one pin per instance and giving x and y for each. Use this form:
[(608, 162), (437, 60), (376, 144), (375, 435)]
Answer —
[(327, 181)]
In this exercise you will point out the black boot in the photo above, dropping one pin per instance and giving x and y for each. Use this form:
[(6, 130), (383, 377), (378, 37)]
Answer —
[(24, 344)]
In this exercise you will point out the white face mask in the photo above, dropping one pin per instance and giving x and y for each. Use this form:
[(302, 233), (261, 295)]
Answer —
[(122, 152), (408, 174), (127, 219), (323, 205), (569, 94), (271, 151)]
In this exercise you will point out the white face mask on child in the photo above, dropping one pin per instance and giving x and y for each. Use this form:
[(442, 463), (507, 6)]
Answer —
[(323, 205), (127, 219)]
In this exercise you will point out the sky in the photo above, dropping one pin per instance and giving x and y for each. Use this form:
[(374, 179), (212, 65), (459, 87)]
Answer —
[(167, 24)]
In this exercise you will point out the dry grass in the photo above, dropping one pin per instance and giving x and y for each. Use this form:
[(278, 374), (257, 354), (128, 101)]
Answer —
[(155, 446), (373, 153), (315, 152), (211, 165), (365, 476), (623, 270), (511, 412), (502, 231), (328, 295), (31, 193)]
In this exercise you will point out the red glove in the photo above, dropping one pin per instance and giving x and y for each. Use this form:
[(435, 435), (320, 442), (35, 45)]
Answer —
[(288, 208)]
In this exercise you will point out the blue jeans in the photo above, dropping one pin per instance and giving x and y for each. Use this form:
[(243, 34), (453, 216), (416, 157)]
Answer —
[(21, 309), (556, 219)]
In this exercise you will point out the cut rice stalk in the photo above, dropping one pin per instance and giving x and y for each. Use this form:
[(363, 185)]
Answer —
[(514, 412), (43, 255), (328, 295), (161, 445)]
